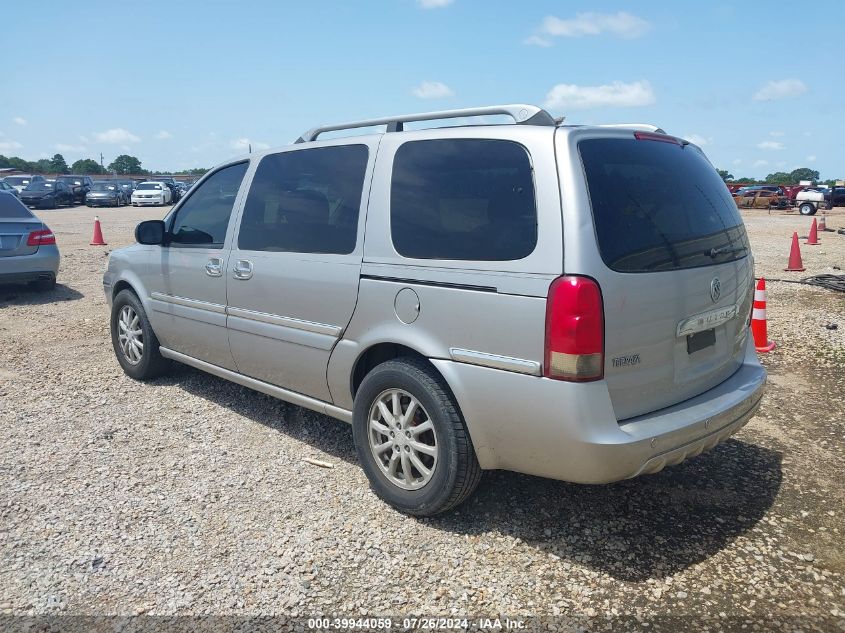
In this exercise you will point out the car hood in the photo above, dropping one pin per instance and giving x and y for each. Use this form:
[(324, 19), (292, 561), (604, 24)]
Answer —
[(102, 194), (36, 194), (142, 192)]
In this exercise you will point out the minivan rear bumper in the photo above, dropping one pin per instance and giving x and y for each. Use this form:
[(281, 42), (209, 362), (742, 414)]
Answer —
[(568, 431)]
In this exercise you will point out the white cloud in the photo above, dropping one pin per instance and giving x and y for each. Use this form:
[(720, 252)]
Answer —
[(811, 158), (776, 145), (777, 133), (737, 161), (698, 139), (537, 40), (432, 90), (242, 145), (434, 4), (84, 139), (163, 134), (9, 146), (116, 135), (781, 89), (19, 120), (760, 163), (62, 147), (617, 94), (621, 24)]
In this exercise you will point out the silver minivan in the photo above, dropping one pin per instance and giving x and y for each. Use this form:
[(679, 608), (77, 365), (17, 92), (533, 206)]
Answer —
[(565, 301)]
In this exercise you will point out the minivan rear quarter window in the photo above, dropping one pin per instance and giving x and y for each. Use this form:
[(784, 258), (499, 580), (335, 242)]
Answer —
[(659, 206), (463, 199)]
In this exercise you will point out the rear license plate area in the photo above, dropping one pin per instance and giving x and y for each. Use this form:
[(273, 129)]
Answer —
[(700, 340)]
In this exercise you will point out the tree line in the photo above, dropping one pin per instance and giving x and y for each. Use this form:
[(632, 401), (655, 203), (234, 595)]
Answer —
[(779, 177), (123, 164)]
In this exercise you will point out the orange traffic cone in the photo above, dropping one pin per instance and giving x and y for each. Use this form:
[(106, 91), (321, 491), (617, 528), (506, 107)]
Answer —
[(758, 320), (813, 239), (822, 224), (97, 240), (795, 264)]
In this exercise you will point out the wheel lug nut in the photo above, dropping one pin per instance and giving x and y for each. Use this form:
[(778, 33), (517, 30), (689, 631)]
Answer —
[(408, 449), (408, 433), (392, 434)]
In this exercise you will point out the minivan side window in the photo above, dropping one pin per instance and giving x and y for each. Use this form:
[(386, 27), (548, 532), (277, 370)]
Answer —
[(463, 199), (203, 218), (305, 201)]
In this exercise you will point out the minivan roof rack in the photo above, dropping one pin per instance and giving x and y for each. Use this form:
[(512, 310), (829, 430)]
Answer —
[(521, 114)]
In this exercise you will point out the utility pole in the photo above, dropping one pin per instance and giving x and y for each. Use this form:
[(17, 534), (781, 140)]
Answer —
[(101, 163)]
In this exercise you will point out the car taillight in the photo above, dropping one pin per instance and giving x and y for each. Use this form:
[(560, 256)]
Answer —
[(574, 330), (41, 238)]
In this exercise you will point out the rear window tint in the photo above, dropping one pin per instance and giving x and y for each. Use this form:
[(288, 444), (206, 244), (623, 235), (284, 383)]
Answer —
[(11, 207), (659, 206), (463, 199)]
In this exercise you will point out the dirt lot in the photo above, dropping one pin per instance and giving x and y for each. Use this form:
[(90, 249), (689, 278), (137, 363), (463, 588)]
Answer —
[(188, 496)]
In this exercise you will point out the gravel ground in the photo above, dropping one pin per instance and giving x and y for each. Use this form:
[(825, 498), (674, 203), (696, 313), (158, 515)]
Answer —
[(189, 496)]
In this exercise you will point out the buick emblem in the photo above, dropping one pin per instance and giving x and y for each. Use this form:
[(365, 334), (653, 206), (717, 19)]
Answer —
[(715, 289)]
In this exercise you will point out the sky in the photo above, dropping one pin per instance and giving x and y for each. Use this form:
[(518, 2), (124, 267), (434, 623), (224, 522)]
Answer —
[(189, 84)]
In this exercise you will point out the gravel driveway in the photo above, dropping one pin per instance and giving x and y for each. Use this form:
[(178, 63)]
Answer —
[(189, 496)]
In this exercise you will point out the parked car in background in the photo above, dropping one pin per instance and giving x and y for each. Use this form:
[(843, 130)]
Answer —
[(20, 181), (79, 185), (105, 193), (28, 250), (151, 193), (611, 330), (127, 187), (175, 192), (761, 199), (4, 186), (46, 195)]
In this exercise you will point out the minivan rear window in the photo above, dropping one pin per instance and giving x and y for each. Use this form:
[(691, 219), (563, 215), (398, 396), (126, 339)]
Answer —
[(463, 199), (659, 206)]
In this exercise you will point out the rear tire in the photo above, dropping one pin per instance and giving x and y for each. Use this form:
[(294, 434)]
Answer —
[(807, 209), (147, 363), (454, 471)]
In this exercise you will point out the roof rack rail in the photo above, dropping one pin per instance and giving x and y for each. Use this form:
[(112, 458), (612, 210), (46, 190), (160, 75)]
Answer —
[(520, 113)]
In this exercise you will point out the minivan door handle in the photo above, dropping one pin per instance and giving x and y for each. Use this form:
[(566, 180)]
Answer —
[(242, 269), (214, 267)]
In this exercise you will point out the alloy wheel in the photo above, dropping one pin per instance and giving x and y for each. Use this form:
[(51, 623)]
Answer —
[(130, 336), (402, 439)]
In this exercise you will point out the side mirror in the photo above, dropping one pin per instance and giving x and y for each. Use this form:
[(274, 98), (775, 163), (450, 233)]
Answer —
[(150, 232)]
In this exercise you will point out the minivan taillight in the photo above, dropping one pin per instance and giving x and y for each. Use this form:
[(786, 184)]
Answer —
[(574, 330), (41, 238)]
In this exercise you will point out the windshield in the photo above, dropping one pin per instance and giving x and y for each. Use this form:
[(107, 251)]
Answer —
[(659, 206), (71, 180), (17, 181), (149, 185), (103, 186), (39, 186)]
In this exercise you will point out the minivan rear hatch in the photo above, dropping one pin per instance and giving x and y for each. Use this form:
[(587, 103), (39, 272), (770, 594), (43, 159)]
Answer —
[(674, 266)]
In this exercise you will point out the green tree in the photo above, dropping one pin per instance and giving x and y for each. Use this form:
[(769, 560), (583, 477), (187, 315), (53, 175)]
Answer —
[(42, 166), (804, 173), (58, 164), (725, 175), (86, 166), (196, 171), (778, 178), (19, 163), (125, 164), (745, 180)]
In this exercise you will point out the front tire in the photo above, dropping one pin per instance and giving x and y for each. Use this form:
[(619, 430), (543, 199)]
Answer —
[(411, 439), (807, 209), (134, 342)]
